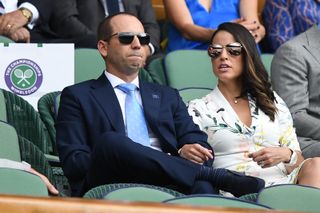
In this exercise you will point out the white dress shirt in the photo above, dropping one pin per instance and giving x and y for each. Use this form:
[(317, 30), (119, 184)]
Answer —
[(115, 81)]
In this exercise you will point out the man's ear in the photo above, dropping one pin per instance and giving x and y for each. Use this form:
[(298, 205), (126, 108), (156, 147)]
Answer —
[(102, 47)]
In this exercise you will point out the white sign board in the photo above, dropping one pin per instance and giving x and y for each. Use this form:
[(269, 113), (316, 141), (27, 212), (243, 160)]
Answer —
[(31, 71)]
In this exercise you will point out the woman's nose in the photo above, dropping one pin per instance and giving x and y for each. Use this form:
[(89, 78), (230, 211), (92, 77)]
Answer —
[(224, 54)]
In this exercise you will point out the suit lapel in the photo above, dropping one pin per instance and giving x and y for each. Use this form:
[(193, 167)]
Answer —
[(151, 104), (107, 99), (313, 42)]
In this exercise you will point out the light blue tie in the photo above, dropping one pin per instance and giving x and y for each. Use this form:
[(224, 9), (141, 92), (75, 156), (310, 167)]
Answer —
[(136, 124)]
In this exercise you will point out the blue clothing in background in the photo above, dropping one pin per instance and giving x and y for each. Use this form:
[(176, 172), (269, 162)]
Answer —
[(284, 19), (221, 11)]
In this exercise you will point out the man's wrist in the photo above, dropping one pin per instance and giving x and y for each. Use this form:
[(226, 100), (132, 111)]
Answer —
[(26, 13)]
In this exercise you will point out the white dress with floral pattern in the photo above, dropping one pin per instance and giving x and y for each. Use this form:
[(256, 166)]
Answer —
[(232, 140)]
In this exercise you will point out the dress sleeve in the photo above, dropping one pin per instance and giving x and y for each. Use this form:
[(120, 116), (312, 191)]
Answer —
[(195, 111)]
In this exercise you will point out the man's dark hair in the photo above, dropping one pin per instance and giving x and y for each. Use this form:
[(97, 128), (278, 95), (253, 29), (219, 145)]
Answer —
[(105, 29)]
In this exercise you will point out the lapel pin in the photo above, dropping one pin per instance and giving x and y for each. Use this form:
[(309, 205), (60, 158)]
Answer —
[(155, 96)]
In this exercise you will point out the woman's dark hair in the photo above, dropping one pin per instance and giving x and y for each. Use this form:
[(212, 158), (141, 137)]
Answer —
[(255, 79)]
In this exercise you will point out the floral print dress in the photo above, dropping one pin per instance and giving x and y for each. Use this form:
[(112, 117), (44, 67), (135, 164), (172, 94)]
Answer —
[(232, 140)]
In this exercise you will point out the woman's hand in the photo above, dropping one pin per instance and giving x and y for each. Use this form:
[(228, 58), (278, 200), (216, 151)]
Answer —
[(195, 153), (52, 190), (271, 156), (255, 28)]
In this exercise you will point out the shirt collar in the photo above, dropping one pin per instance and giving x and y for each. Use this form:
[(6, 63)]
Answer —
[(115, 81)]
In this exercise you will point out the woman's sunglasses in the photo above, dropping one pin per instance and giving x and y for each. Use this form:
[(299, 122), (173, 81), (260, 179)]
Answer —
[(127, 37), (215, 50)]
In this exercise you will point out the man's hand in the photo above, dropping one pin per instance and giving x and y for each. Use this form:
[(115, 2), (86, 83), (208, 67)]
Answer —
[(12, 21), (271, 156), (21, 35), (52, 190), (195, 153)]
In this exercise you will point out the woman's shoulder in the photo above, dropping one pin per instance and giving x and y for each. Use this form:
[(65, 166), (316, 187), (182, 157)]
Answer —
[(280, 104), (278, 100), (206, 103)]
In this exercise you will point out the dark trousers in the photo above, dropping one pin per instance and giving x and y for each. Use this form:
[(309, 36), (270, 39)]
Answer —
[(117, 159)]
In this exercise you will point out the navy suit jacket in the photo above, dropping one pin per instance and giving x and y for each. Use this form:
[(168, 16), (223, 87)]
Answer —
[(91, 108)]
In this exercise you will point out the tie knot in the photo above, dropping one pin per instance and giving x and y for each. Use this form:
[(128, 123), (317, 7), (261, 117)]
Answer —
[(127, 88)]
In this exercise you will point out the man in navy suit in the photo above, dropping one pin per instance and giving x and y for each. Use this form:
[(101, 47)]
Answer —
[(92, 133)]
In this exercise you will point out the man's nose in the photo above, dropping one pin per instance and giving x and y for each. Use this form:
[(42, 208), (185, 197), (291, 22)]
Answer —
[(135, 43)]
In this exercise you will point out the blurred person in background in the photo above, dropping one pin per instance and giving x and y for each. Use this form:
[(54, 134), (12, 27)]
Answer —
[(192, 22), (295, 75), (20, 19), (284, 19), (76, 18)]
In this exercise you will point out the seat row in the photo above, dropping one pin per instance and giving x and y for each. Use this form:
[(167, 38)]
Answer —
[(189, 71), (280, 197)]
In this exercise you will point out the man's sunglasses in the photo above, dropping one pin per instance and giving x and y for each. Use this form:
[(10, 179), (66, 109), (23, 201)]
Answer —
[(127, 37), (233, 49)]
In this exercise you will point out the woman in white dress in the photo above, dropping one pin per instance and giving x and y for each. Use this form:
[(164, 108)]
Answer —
[(248, 125)]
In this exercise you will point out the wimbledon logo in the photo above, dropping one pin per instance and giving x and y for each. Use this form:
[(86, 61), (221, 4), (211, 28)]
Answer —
[(23, 77)]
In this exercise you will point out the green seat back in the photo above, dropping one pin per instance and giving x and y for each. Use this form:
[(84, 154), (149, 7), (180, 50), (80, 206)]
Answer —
[(18, 182), (47, 111), (156, 71), (215, 200), (5, 40), (191, 93), (189, 68), (88, 64), (31, 154), (3, 110), (26, 120), (103, 191), (9, 142), (291, 197), (266, 60), (138, 194), (145, 76), (250, 197), (57, 104)]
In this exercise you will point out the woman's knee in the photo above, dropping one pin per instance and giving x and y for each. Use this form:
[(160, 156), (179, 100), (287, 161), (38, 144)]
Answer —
[(312, 165)]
